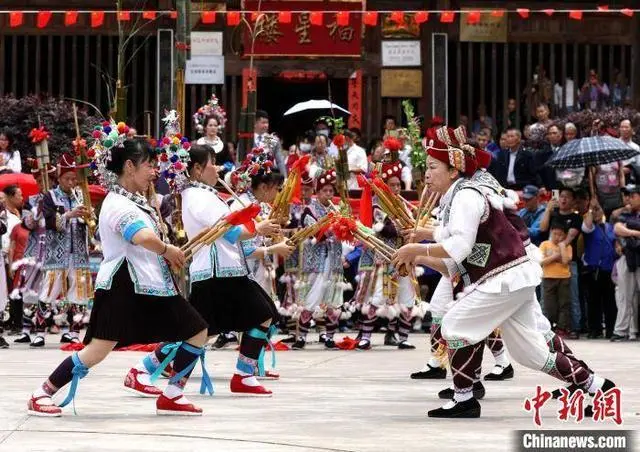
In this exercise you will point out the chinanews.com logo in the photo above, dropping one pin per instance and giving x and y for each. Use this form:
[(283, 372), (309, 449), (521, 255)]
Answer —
[(601, 409)]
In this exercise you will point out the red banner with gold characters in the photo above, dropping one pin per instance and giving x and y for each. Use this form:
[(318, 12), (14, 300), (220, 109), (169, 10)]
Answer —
[(355, 99), (310, 33)]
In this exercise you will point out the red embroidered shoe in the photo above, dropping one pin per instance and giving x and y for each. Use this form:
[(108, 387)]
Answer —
[(169, 407), (43, 406), (268, 375), (132, 384), (238, 387)]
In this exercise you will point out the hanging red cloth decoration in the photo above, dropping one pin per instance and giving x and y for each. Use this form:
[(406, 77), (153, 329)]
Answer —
[(421, 17), (447, 17), (497, 13), (124, 16), (342, 18), (208, 17), (627, 12), (233, 18), (284, 17), (473, 17), (524, 12), (366, 202), (316, 18), (603, 8), (370, 18), (549, 12), (43, 19), (97, 19), (70, 18), (575, 15), (173, 15), (149, 15), (16, 19)]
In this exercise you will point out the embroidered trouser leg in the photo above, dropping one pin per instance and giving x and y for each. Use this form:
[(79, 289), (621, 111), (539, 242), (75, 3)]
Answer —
[(495, 343), (466, 363), (473, 318)]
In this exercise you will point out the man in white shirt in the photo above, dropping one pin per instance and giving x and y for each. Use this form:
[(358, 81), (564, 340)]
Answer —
[(626, 135), (260, 130), (356, 158)]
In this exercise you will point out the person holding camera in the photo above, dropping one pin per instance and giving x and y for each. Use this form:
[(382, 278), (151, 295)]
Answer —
[(627, 228)]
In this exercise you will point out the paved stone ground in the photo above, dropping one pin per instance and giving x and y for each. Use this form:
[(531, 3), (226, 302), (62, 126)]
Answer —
[(326, 401)]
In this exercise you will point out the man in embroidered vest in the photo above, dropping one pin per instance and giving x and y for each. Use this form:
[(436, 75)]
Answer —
[(493, 279), (66, 264)]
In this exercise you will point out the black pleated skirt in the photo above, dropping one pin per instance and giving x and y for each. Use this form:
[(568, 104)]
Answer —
[(120, 314), (232, 304)]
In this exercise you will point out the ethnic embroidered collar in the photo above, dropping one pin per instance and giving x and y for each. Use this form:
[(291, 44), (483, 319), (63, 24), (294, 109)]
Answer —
[(140, 201), (197, 184)]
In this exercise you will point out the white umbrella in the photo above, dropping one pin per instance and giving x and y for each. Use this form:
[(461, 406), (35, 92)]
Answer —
[(314, 105)]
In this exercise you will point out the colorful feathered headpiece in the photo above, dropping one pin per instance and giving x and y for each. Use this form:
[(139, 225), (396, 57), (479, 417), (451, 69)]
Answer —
[(107, 136), (212, 108)]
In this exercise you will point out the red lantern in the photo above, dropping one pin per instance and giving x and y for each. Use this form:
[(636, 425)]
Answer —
[(233, 18), (397, 17), (43, 19), (422, 17), (97, 19), (447, 17), (124, 16), (370, 18), (70, 18), (575, 15), (208, 17), (473, 17), (149, 15), (316, 18), (16, 19), (284, 17), (524, 12), (342, 18)]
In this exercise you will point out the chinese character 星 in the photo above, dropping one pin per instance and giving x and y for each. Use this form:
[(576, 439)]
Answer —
[(270, 29), (536, 403), (607, 405), (303, 28)]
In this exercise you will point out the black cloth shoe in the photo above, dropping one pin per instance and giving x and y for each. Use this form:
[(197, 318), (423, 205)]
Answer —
[(322, 338), (66, 338), (467, 409), (619, 338), (224, 339), (574, 335), (299, 344), (594, 335), (430, 373), (289, 340), (507, 373), (478, 392), (364, 344), (608, 384), (330, 344), (37, 342), (23, 339), (390, 339), (3, 343), (405, 345)]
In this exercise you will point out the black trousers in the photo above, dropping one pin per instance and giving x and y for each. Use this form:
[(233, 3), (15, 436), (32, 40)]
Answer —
[(601, 301)]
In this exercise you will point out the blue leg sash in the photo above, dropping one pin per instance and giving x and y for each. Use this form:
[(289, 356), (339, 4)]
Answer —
[(206, 385), (170, 349), (79, 371), (257, 334)]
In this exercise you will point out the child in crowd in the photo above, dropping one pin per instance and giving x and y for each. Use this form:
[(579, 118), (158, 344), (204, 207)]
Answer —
[(556, 278)]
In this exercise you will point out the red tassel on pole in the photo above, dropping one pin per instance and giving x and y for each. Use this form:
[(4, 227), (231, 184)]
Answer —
[(370, 18), (233, 18), (575, 15), (421, 17), (97, 19), (16, 19), (316, 18), (524, 12), (447, 17), (124, 16), (208, 17), (342, 18), (149, 15), (70, 18), (43, 19), (473, 17), (284, 17)]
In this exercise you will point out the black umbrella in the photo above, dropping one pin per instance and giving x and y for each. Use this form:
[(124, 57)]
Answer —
[(592, 151)]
